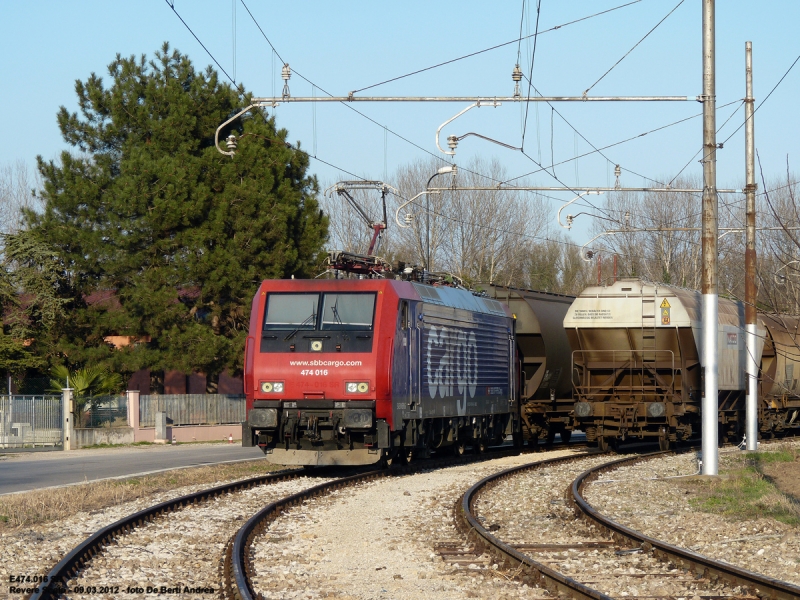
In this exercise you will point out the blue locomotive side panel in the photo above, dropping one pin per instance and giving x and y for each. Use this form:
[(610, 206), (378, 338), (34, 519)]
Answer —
[(460, 365)]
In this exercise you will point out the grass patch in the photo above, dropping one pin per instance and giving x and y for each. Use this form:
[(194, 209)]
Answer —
[(40, 506), (743, 491)]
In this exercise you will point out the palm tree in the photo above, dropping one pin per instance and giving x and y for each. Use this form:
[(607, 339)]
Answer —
[(91, 385)]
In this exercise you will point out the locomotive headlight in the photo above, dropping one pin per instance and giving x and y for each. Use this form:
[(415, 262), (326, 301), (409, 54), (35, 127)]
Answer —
[(583, 409), (356, 387), (656, 409), (275, 387)]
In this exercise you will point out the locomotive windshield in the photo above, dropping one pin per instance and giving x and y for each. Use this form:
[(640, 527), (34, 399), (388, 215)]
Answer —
[(291, 311), (348, 311)]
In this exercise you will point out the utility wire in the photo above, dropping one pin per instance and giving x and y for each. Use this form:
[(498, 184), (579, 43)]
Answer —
[(172, 6), (765, 99), (634, 48), (743, 123), (489, 228), (530, 75), (349, 106), (471, 54), (519, 42)]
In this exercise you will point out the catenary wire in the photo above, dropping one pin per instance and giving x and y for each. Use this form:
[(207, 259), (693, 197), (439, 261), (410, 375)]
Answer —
[(394, 133), (471, 54), (519, 42), (634, 48), (216, 62), (766, 98), (743, 123), (530, 74)]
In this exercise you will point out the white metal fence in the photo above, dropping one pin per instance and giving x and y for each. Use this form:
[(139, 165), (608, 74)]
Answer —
[(193, 409), (28, 421)]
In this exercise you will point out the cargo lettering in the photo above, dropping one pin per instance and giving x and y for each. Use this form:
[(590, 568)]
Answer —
[(452, 363)]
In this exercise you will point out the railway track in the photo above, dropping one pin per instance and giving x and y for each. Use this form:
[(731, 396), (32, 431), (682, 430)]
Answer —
[(239, 570), (67, 577), (598, 554), (57, 580)]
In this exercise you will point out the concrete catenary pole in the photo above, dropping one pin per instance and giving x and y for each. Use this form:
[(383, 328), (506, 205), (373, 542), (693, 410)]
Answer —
[(750, 290), (710, 404)]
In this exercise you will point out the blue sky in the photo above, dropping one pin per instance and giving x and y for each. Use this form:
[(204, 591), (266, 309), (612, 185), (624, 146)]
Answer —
[(343, 46)]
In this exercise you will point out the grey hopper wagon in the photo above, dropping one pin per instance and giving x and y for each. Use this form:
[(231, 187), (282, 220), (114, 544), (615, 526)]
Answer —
[(636, 367), (544, 357)]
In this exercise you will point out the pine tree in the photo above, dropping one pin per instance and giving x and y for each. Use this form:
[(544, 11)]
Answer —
[(164, 238)]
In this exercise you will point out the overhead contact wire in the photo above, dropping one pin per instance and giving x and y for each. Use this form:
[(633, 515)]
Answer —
[(185, 24), (394, 133), (471, 54), (634, 47)]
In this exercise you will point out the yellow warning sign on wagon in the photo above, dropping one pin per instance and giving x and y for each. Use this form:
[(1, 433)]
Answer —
[(665, 304)]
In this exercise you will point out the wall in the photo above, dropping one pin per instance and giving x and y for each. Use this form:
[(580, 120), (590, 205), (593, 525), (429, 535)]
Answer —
[(191, 433), (102, 435)]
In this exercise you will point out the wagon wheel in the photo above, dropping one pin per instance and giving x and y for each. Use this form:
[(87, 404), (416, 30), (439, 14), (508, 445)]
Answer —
[(663, 439), (459, 447), (602, 444)]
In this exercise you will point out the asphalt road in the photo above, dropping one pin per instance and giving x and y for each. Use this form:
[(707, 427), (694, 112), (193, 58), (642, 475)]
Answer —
[(27, 471)]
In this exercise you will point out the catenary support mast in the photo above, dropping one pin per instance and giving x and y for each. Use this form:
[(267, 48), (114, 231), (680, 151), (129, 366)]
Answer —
[(710, 403), (750, 290)]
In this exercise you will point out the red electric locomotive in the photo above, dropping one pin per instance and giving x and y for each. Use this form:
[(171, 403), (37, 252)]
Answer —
[(353, 371)]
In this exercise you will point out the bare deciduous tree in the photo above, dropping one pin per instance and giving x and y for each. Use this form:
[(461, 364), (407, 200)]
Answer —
[(16, 193)]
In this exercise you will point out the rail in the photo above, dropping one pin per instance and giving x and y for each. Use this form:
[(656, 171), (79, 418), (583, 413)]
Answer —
[(55, 585), (536, 571), (766, 586), (237, 568)]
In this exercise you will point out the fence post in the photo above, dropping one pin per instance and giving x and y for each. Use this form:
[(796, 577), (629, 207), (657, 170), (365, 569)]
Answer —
[(66, 406), (133, 408)]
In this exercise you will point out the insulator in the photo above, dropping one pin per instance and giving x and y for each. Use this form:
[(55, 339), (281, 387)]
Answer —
[(516, 75), (230, 142), (452, 141), (409, 218), (286, 74), (617, 173)]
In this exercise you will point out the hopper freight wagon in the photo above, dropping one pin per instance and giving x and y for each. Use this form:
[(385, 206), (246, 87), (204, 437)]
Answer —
[(354, 371), (637, 369), (544, 360)]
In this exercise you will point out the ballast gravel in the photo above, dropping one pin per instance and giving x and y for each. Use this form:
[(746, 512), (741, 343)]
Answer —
[(380, 539), (645, 498), (530, 509)]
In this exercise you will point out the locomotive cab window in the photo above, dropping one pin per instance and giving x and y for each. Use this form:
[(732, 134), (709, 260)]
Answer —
[(291, 311), (348, 311), (404, 315)]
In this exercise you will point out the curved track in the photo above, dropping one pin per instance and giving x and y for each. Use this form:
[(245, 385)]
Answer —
[(59, 575), (238, 569), (625, 541), (702, 566), (58, 578)]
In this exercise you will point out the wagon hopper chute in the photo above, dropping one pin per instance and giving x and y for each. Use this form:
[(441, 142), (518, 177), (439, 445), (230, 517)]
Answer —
[(636, 368)]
